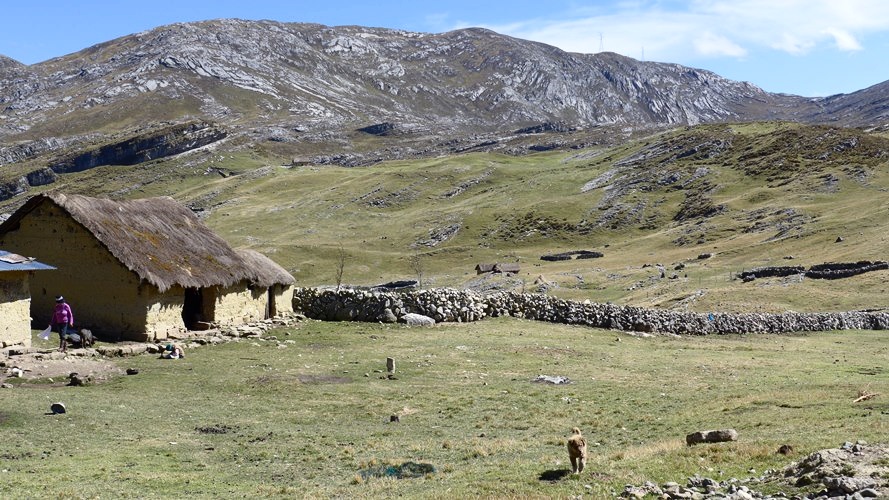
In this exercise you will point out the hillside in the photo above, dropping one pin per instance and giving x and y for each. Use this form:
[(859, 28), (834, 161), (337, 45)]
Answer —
[(403, 154), (751, 195), (354, 96)]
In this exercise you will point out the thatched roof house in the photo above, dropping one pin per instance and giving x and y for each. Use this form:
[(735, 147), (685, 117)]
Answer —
[(15, 297), (143, 268), (482, 268)]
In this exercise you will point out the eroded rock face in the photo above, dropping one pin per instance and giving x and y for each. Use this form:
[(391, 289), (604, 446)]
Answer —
[(379, 80)]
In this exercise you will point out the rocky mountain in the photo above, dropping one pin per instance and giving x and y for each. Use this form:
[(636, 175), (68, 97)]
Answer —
[(354, 95)]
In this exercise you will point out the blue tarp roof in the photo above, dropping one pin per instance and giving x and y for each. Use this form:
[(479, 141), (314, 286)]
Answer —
[(14, 262)]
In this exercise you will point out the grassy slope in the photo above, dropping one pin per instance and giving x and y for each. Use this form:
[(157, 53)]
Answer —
[(305, 419), (779, 190)]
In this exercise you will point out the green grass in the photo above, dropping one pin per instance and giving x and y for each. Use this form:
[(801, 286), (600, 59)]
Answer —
[(252, 419), (786, 190)]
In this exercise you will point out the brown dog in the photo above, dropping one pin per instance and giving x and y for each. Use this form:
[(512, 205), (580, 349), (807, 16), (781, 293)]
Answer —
[(577, 451)]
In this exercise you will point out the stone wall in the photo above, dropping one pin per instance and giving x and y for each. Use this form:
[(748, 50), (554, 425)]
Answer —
[(452, 305)]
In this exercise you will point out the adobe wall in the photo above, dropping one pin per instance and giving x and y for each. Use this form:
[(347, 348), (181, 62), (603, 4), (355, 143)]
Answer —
[(239, 304), (103, 294), (164, 313), (462, 305), (15, 309), (283, 299)]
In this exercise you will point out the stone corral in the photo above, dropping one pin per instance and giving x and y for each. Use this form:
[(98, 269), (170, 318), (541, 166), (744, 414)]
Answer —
[(450, 305)]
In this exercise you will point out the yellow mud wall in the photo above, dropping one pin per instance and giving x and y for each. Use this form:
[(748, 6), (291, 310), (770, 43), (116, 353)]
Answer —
[(15, 309), (284, 299), (103, 294), (164, 318), (238, 304)]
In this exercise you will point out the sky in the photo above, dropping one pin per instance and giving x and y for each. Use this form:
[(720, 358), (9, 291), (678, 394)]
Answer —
[(804, 47)]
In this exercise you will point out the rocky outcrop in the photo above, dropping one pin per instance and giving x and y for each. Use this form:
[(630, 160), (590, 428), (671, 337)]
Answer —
[(450, 305), (167, 141), (852, 471), (346, 77)]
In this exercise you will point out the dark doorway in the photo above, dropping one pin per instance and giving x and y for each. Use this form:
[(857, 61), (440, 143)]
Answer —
[(192, 309), (272, 310)]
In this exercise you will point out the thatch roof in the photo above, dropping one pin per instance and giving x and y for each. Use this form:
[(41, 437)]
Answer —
[(266, 271), (160, 240)]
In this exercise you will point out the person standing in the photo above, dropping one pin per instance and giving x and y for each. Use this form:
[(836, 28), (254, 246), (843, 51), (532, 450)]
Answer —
[(62, 320)]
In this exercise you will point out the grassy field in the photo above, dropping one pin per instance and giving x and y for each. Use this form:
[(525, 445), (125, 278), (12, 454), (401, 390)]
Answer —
[(305, 414), (751, 195)]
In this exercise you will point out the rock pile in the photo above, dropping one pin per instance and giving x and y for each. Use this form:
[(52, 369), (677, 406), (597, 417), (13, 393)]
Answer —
[(852, 471), (450, 305)]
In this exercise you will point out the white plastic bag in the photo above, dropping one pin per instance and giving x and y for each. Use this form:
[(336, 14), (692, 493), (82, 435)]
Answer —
[(45, 333)]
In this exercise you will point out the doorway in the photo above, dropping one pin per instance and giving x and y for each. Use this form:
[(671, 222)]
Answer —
[(272, 309), (198, 308)]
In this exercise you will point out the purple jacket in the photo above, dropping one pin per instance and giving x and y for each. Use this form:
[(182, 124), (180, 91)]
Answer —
[(62, 314)]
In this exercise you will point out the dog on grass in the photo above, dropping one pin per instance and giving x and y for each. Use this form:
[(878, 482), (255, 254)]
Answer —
[(577, 451), (86, 338)]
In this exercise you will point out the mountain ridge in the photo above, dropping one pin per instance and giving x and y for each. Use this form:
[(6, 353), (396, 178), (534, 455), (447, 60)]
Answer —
[(318, 78)]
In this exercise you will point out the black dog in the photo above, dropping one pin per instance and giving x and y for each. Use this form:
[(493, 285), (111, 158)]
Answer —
[(86, 338)]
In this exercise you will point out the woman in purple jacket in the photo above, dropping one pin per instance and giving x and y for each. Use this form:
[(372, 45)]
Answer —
[(62, 319)]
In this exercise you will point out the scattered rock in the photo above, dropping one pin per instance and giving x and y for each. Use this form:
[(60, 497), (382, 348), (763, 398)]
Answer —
[(547, 379), (715, 436), (414, 319), (132, 371), (76, 380)]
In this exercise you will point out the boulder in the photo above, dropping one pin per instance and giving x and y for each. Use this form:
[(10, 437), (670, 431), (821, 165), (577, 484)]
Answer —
[(414, 319), (714, 436)]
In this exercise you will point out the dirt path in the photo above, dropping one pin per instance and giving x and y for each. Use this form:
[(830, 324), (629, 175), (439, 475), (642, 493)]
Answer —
[(36, 366)]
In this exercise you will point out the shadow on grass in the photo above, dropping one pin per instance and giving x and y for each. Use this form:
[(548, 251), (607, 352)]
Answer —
[(554, 475)]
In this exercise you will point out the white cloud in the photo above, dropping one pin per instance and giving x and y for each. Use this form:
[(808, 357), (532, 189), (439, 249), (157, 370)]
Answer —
[(844, 40), (709, 44), (711, 28)]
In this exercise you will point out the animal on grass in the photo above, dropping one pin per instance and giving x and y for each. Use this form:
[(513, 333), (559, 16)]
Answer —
[(86, 338), (577, 451)]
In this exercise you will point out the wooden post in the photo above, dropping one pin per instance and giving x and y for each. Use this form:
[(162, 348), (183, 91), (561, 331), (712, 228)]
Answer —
[(390, 365)]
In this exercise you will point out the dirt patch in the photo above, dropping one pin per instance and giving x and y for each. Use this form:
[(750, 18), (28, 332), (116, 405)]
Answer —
[(215, 429), (35, 367)]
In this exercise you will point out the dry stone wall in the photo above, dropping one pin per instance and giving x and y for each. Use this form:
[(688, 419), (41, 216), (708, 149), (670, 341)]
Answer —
[(451, 305)]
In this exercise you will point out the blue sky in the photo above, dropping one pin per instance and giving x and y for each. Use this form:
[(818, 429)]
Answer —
[(804, 47)]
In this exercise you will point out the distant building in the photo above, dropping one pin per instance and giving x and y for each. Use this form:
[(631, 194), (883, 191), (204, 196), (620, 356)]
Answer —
[(507, 267), (484, 268), (141, 269), (500, 267), (15, 298)]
